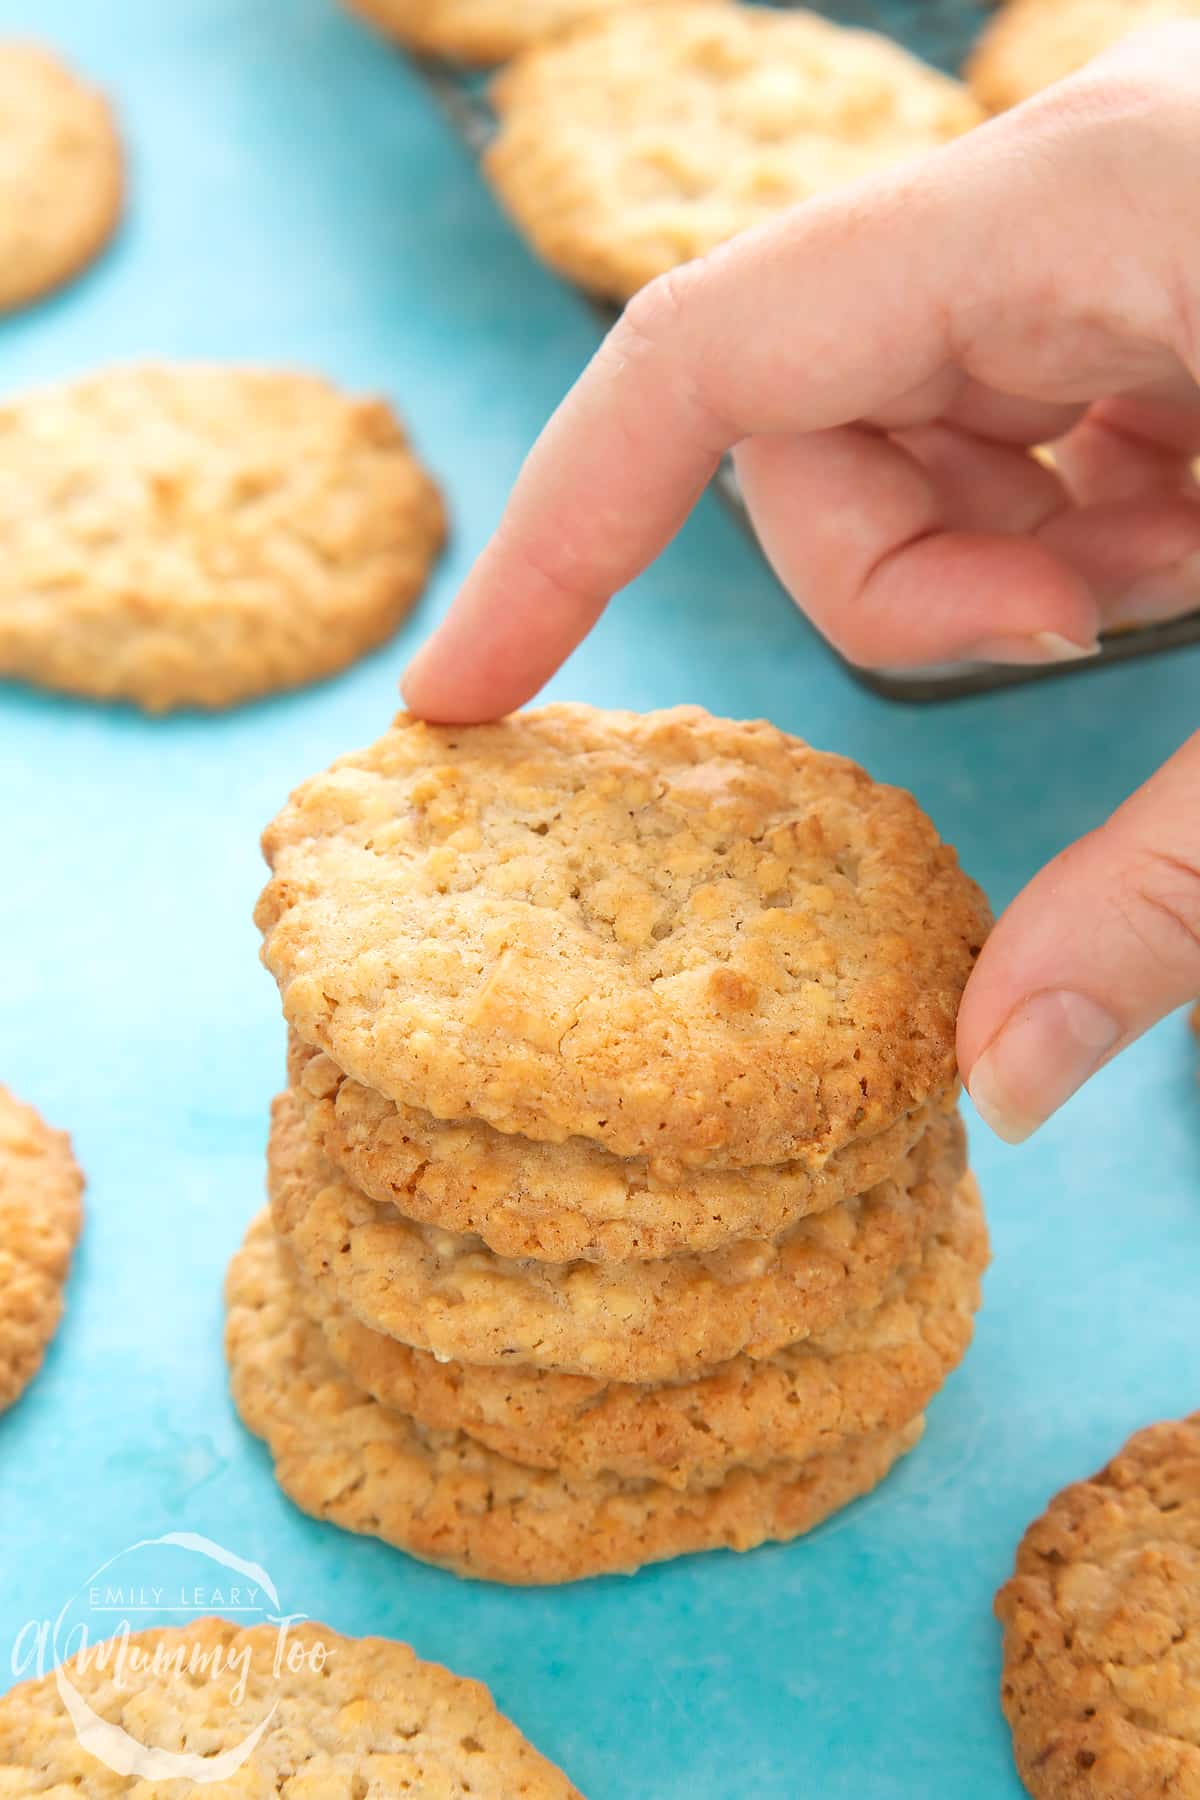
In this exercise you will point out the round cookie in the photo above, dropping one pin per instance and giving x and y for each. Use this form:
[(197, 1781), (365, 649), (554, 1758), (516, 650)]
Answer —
[(41, 1213), (1032, 43), (647, 138), (446, 1499), (192, 535), (556, 1202), (648, 1321), (479, 31), (60, 174), (1101, 1682), (371, 1719), (670, 934), (872, 1372)]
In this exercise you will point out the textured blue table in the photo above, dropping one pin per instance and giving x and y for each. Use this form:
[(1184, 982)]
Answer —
[(296, 198)]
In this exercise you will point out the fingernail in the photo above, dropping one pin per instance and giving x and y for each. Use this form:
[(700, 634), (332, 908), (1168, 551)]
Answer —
[(1165, 594), (1049, 1047), (1038, 647)]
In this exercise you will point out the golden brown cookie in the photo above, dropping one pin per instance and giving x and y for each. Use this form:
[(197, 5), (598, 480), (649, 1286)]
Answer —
[(872, 1372), (645, 1321), (556, 1202), (443, 1497), (1032, 43), (41, 1212), (672, 935), (649, 137), (1101, 1623), (60, 174), (344, 1717), (479, 31), (190, 535)]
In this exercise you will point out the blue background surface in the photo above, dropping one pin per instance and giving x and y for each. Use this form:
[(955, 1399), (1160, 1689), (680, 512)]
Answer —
[(297, 198)]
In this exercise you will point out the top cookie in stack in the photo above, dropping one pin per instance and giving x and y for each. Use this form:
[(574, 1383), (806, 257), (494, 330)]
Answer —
[(690, 943), (622, 1061)]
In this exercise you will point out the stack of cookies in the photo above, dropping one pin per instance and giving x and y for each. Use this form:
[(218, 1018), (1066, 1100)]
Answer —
[(619, 1203)]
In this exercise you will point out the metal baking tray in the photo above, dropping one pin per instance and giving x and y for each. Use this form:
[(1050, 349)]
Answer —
[(941, 31)]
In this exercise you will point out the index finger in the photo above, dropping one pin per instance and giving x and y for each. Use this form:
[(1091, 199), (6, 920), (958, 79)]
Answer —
[(627, 454), (868, 305)]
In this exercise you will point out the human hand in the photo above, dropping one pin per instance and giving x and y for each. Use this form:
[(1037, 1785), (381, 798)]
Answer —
[(881, 362)]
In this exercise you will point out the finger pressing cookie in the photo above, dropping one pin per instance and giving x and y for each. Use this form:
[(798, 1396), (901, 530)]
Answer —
[(183, 535), (40, 1217), (60, 174), (646, 138)]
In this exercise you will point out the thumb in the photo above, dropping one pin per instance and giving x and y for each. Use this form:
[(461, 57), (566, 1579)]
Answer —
[(1101, 944)]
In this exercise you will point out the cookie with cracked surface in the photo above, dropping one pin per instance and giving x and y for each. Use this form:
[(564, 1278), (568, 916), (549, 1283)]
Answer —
[(1031, 44), (669, 934), (1101, 1681), (61, 174), (640, 141), (647, 1321), (448, 1500), (192, 535), (339, 1717), (480, 31), (41, 1212), (556, 1202), (873, 1372)]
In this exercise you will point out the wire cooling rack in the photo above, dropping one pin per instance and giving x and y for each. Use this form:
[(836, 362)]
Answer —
[(942, 32)]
